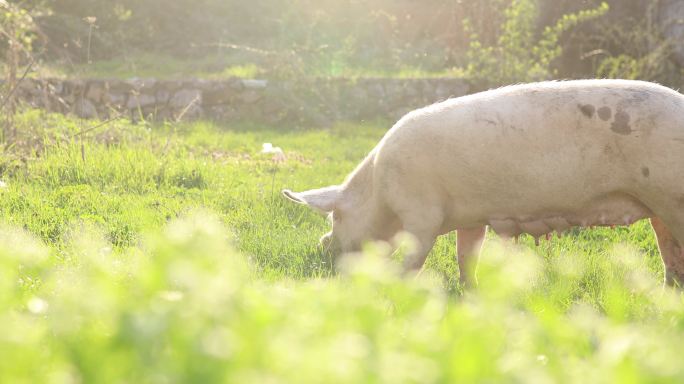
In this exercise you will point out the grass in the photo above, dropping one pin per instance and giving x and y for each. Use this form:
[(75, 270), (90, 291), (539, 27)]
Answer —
[(164, 253), (155, 66), (223, 66)]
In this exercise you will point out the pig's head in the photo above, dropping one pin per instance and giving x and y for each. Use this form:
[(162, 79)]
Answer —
[(347, 229)]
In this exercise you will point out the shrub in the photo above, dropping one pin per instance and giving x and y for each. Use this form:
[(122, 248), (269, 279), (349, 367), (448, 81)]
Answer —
[(635, 50), (519, 53)]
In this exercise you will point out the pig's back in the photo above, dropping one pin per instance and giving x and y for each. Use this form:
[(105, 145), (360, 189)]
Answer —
[(543, 146)]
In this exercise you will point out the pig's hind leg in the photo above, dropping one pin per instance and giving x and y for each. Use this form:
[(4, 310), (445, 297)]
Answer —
[(671, 251), (468, 246), (666, 204)]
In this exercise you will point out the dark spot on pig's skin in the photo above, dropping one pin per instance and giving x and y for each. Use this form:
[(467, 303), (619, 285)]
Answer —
[(587, 110), (621, 123), (645, 171), (605, 113)]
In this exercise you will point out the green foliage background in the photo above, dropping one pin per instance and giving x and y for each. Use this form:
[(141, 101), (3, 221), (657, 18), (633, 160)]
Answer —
[(496, 40)]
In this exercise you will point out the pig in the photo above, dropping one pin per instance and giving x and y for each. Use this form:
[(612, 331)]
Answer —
[(522, 159)]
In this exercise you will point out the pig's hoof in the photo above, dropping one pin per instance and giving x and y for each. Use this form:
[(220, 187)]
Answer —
[(674, 279)]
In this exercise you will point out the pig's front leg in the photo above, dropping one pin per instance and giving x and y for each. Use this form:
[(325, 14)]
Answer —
[(468, 246), (422, 221)]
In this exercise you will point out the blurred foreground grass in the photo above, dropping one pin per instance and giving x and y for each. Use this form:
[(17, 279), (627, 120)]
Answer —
[(184, 306), (137, 253)]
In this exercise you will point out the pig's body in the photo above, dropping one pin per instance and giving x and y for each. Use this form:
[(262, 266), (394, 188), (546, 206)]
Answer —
[(530, 158)]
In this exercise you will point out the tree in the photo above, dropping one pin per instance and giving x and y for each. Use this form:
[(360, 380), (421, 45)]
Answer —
[(17, 33)]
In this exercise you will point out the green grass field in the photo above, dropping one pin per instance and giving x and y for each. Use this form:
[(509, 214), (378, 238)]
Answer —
[(165, 254), (226, 66)]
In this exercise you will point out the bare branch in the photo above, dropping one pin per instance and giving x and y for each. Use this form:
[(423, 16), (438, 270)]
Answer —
[(9, 95)]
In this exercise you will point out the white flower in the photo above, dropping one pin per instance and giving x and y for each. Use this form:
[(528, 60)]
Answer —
[(277, 152)]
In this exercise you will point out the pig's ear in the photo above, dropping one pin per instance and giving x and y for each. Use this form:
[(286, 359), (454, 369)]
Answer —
[(323, 199)]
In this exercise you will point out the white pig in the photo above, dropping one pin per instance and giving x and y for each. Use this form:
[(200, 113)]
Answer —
[(530, 158)]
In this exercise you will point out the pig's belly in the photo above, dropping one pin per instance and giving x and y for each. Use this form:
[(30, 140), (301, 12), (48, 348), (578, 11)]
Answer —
[(616, 209)]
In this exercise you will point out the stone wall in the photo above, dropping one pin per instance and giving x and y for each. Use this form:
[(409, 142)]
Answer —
[(311, 102)]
